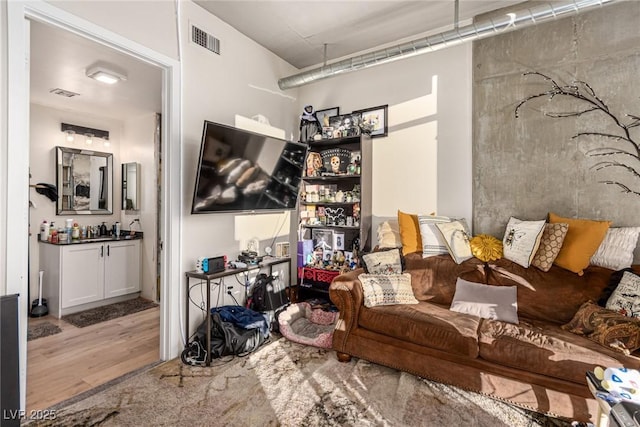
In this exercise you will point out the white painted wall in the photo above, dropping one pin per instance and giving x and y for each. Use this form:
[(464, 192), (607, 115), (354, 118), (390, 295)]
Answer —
[(424, 165), (3, 142), (45, 135), (151, 23), (138, 146)]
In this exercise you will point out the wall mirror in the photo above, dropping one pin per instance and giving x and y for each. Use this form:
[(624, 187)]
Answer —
[(131, 186), (85, 182)]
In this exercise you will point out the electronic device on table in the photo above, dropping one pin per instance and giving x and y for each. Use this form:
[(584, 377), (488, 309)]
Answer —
[(625, 414), (250, 257), (211, 265)]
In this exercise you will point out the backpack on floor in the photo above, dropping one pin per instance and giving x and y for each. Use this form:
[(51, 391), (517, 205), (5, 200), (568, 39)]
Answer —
[(257, 301)]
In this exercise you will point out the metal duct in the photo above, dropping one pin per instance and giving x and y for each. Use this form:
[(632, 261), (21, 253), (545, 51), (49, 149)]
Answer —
[(478, 30)]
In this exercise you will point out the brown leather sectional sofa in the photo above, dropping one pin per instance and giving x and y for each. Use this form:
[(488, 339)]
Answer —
[(534, 364)]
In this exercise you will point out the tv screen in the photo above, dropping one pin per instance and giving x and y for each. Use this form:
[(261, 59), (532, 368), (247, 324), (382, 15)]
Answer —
[(243, 171)]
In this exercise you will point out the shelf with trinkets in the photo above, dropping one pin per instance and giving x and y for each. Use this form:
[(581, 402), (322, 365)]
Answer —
[(334, 211)]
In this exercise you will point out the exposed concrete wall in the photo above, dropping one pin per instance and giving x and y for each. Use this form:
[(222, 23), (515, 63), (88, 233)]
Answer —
[(530, 166)]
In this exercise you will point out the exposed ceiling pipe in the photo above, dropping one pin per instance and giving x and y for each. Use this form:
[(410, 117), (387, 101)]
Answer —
[(489, 27)]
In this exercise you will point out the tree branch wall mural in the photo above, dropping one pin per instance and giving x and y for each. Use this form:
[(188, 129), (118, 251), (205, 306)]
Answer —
[(618, 150)]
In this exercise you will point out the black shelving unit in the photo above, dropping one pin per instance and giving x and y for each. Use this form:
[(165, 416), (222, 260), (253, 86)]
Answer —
[(344, 181)]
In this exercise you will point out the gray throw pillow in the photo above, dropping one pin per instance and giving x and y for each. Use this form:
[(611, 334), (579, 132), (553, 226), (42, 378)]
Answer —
[(486, 301)]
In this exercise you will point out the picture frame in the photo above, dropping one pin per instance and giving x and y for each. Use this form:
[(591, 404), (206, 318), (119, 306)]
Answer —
[(282, 249), (326, 113), (377, 116), (345, 125)]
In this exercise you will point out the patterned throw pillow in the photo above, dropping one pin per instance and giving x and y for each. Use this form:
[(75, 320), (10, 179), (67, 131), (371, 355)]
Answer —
[(625, 299), (432, 241), (581, 242), (521, 240), (387, 289), (456, 236), (616, 250), (606, 327), (550, 245), (383, 262)]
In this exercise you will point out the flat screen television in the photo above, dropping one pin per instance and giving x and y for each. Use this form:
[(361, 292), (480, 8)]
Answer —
[(243, 171)]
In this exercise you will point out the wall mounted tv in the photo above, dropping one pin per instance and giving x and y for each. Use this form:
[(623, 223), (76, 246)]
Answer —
[(243, 171)]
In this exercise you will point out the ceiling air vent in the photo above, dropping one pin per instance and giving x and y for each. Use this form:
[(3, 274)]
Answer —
[(205, 40), (62, 92)]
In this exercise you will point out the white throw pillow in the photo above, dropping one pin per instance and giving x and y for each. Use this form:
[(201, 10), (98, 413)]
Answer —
[(486, 301), (521, 240), (432, 241), (616, 250), (456, 236), (389, 234), (383, 262), (625, 299), (387, 289)]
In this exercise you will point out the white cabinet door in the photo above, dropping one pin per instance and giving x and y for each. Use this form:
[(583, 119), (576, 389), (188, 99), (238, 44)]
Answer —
[(122, 268), (82, 272)]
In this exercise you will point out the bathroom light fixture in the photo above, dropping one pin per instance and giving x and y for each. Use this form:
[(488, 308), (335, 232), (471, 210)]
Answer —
[(105, 75), (89, 133)]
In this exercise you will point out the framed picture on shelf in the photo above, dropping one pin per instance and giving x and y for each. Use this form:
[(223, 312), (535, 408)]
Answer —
[(324, 115), (282, 249), (375, 118), (322, 239), (345, 125), (338, 241)]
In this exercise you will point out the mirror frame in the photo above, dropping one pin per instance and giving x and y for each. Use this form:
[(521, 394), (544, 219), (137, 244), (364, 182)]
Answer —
[(108, 179), (126, 186)]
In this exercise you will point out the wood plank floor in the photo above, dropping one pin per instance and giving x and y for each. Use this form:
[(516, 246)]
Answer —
[(78, 359)]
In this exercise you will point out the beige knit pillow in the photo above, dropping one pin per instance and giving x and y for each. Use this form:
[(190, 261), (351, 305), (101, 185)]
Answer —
[(552, 237)]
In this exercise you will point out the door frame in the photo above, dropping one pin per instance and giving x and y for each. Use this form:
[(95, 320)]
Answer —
[(14, 184)]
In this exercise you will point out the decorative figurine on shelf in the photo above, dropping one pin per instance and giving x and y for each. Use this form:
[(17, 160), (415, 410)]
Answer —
[(309, 124), (314, 164)]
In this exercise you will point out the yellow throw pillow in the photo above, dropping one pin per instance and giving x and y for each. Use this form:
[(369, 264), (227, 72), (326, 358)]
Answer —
[(410, 233), (581, 242)]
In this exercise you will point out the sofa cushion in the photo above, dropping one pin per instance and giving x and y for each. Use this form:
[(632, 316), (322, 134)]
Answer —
[(425, 324), (616, 250), (456, 236), (387, 261), (486, 301), (625, 299), (581, 242), (409, 233), (432, 241), (550, 244), (521, 240), (544, 348), (386, 289), (389, 234), (553, 296)]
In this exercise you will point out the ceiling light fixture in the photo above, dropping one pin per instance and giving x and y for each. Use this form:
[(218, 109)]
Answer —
[(89, 133), (105, 75)]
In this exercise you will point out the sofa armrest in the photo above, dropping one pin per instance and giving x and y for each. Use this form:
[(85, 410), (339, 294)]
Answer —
[(345, 292)]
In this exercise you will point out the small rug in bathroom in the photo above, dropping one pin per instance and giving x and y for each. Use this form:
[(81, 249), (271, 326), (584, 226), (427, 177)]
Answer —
[(42, 330), (108, 312)]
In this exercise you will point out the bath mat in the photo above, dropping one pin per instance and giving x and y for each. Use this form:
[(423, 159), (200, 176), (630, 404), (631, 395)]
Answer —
[(42, 330), (108, 312)]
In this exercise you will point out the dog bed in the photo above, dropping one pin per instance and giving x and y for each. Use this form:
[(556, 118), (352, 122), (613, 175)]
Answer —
[(304, 325)]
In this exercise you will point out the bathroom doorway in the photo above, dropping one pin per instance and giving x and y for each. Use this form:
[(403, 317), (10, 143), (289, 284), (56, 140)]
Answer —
[(18, 156)]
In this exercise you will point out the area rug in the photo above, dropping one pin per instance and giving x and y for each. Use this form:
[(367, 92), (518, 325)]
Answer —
[(42, 330), (108, 312), (288, 384)]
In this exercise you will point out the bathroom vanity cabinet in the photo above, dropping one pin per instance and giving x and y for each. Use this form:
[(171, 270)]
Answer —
[(89, 274)]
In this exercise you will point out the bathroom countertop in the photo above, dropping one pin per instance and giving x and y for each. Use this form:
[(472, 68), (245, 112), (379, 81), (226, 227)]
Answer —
[(124, 235)]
